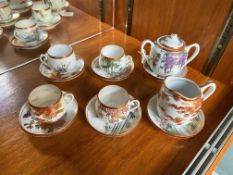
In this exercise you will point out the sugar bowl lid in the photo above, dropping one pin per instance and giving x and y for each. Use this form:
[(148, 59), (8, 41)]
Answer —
[(171, 42)]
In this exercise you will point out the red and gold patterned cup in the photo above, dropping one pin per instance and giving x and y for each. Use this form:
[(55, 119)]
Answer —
[(180, 99), (114, 104), (46, 102)]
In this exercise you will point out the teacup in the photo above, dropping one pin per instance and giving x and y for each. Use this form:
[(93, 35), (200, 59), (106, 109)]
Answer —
[(42, 12), (114, 104), (46, 102), (180, 99), (112, 59), (26, 31), (56, 5), (5, 12), (60, 58)]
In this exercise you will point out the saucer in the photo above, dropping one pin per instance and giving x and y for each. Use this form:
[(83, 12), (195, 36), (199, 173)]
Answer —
[(56, 77), (56, 19), (182, 73), (34, 127), (184, 131), (122, 75), (20, 45), (22, 9), (11, 22), (112, 129)]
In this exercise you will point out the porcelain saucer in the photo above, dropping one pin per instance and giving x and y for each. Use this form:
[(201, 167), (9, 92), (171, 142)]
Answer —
[(34, 127), (56, 77), (20, 45), (11, 22), (182, 73), (112, 129), (122, 75), (183, 131), (22, 9), (56, 19)]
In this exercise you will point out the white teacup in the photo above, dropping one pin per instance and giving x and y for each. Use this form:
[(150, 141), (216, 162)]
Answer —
[(60, 58), (5, 12), (56, 5), (42, 12), (112, 59), (46, 102), (114, 104), (26, 31)]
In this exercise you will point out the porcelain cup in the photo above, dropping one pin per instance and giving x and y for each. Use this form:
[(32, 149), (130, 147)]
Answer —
[(181, 99), (60, 58), (46, 102), (56, 5), (112, 59), (5, 12), (114, 104), (26, 31), (42, 12)]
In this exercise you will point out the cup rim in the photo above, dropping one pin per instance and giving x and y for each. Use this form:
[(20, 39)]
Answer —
[(112, 58), (113, 107), (169, 78), (49, 106), (23, 20), (60, 57)]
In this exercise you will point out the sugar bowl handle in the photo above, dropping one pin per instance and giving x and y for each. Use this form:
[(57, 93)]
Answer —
[(145, 57), (207, 90), (195, 53)]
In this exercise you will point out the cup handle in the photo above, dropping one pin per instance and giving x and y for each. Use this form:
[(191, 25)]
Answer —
[(43, 59), (69, 98), (197, 50), (132, 103), (207, 93), (145, 57)]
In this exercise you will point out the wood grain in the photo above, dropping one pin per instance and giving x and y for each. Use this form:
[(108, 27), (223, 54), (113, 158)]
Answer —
[(81, 150), (195, 21), (71, 29), (224, 71)]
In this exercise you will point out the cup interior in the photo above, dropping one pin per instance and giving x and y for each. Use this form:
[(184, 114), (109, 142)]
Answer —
[(60, 51), (112, 51), (40, 6), (25, 23), (113, 96), (44, 96), (184, 86)]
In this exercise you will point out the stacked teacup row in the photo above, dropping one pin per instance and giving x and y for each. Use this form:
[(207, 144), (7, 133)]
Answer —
[(30, 33)]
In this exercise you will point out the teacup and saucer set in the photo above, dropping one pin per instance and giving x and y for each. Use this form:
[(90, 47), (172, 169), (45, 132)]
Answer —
[(176, 109), (113, 112), (21, 6), (7, 17), (61, 64), (43, 16), (27, 35), (168, 56), (48, 111), (59, 7), (112, 64)]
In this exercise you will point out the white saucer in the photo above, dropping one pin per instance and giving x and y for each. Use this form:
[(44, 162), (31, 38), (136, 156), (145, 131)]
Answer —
[(183, 131), (56, 77), (122, 75), (182, 73), (11, 22), (22, 9), (34, 45), (112, 129), (56, 19), (32, 126)]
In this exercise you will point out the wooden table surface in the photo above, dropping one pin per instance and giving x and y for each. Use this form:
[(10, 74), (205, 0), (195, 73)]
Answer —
[(82, 150), (70, 30)]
